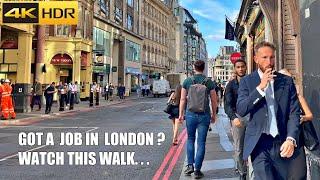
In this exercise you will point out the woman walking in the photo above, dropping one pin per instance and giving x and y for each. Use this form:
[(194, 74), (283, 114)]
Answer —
[(174, 115)]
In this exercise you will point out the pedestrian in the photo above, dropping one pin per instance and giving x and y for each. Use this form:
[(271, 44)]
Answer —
[(111, 88), (197, 88), (174, 115), (143, 90), (147, 89), (106, 92), (77, 92), (238, 124), (120, 91), (73, 91), (273, 129), (98, 90), (68, 95), (92, 93), (138, 90), (62, 92), (123, 90), (48, 93), (7, 108), (298, 166), (36, 95)]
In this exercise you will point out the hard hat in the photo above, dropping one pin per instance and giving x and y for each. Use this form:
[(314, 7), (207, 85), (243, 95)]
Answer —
[(7, 81)]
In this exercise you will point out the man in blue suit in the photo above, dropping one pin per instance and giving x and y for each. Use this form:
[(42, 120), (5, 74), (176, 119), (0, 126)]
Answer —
[(272, 131)]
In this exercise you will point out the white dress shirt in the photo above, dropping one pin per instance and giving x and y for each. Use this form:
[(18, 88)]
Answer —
[(271, 125)]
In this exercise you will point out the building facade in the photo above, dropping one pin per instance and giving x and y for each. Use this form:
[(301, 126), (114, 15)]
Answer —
[(67, 51), (157, 24), (210, 68), (117, 43), (190, 44), (222, 66), (17, 54)]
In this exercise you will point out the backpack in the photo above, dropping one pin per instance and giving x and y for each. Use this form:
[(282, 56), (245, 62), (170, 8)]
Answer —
[(198, 96)]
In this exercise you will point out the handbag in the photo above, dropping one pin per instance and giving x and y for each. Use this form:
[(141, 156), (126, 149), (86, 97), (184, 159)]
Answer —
[(169, 108), (310, 138)]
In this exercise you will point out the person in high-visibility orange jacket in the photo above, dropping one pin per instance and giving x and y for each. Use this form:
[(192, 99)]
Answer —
[(6, 101)]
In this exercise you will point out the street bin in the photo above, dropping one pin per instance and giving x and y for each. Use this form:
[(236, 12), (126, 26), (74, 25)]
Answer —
[(22, 97)]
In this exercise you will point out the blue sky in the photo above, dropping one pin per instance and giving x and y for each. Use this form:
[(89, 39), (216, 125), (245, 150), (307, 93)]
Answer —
[(210, 15)]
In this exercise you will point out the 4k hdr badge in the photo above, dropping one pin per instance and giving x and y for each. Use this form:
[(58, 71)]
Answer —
[(42, 12)]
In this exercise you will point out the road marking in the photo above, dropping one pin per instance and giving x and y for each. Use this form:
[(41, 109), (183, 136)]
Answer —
[(217, 164), (175, 157), (50, 127), (9, 157), (92, 129), (168, 157)]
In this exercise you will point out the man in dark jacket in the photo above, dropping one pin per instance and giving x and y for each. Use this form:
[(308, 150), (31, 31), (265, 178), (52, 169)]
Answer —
[(272, 132), (48, 93), (238, 125)]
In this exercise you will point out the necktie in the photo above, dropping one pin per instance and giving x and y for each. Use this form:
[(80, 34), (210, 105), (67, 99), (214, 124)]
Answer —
[(271, 111)]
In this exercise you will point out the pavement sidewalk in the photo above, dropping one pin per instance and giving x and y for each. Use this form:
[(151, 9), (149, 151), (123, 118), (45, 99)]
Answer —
[(218, 163), (83, 106)]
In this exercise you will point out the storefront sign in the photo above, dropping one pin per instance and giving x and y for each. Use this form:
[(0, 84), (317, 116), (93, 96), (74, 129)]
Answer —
[(61, 59), (98, 69)]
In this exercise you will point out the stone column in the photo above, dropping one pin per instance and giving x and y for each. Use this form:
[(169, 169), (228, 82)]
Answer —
[(40, 53), (23, 86)]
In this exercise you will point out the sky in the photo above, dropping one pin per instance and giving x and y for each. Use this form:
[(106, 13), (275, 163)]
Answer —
[(210, 15)]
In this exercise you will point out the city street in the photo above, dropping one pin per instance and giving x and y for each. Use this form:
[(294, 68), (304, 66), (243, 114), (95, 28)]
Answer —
[(132, 115)]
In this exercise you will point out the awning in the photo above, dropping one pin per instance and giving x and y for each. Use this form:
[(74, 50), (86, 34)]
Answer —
[(131, 70)]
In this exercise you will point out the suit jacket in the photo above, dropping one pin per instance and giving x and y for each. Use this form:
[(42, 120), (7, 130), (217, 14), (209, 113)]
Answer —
[(286, 108)]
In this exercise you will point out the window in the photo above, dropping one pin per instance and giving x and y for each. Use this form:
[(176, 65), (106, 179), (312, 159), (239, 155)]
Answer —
[(118, 15), (104, 6), (130, 3), (101, 41), (133, 51), (62, 30), (137, 6), (129, 22)]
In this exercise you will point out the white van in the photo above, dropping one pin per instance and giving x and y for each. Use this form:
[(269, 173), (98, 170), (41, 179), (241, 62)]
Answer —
[(161, 87)]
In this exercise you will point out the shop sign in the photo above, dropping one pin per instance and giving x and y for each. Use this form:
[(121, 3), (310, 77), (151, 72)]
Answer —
[(61, 59), (98, 69)]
